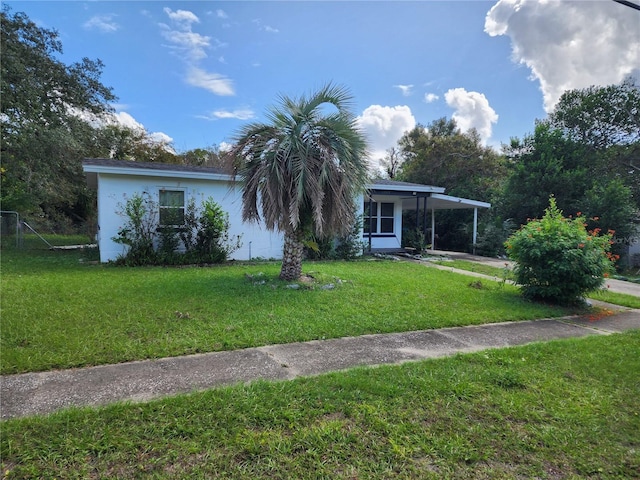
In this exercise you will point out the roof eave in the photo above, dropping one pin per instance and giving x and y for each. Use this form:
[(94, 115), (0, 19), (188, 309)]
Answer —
[(137, 171)]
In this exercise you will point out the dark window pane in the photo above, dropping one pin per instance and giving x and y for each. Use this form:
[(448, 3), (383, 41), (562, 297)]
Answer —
[(171, 216), (171, 198), (370, 225), (374, 209), (386, 225), (386, 209)]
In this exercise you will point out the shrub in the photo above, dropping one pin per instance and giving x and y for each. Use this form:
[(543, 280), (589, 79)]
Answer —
[(203, 238), (139, 230), (350, 246), (213, 243), (346, 247), (491, 241), (415, 238), (557, 259)]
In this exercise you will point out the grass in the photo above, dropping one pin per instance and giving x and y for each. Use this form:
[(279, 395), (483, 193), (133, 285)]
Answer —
[(562, 409), (603, 295), (499, 273), (59, 310)]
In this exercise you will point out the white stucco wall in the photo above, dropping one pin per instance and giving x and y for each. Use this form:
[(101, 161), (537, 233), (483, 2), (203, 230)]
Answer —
[(114, 190)]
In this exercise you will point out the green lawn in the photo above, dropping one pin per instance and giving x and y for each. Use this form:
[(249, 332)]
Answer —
[(563, 409), (504, 273), (60, 310), (499, 273)]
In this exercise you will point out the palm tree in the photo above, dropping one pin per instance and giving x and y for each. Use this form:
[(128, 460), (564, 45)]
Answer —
[(303, 170)]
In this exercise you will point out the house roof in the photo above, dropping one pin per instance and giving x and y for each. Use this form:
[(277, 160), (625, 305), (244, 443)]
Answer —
[(94, 166), (380, 186)]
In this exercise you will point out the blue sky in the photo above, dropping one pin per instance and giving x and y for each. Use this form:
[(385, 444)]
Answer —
[(194, 72)]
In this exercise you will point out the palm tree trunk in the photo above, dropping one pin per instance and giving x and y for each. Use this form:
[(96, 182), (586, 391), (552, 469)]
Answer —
[(292, 255)]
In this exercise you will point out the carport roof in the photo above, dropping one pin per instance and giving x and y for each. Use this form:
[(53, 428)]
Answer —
[(436, 198), (383, 186)]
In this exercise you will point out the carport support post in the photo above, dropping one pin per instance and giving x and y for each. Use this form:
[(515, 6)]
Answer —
[(370, 222), (475, 228), (433, 228), (424, 217)]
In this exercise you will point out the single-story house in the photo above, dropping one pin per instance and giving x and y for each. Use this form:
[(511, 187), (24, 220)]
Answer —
[(382, 204)]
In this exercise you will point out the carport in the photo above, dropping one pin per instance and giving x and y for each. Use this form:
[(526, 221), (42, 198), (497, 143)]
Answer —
[(410, 196)]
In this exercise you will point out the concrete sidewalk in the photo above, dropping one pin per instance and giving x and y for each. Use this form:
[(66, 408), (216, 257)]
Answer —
[(46, 392)]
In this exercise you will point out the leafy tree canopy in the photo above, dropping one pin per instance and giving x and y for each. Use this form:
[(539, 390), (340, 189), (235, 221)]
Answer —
[(600, 117), (37, 88), (440, 154), (544, 164), (43, 136)]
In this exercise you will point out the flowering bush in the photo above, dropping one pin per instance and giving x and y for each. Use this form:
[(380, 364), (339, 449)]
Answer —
[(557, 259)]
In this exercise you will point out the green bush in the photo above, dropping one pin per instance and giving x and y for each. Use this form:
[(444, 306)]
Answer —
[(213, 243), (203, 237), (346, 247), (138, 231), (557, 259)]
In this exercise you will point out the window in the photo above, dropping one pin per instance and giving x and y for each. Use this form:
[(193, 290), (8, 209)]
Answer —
[(386, 218), (379, 219), (171, 207), (370, 222)]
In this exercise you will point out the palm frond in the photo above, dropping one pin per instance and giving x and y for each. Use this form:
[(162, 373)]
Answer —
[(304, 168)]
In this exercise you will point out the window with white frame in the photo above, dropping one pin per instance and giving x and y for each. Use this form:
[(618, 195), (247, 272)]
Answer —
[(172, 206), (378, 218)]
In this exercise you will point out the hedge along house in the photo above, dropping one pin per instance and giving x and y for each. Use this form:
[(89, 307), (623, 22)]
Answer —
[(387, 199), (172, 187)]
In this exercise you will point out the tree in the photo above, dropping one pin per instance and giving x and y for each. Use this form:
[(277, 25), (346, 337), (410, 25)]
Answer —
[(606, 119), (391, 162), (608, 207), (303, 170), (584, 154), (126, 143), (600, 117), (205, 157), (544, 164), (43, 135), (441, 155)]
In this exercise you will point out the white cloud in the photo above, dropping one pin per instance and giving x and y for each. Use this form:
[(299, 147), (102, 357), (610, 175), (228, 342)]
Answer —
[(182, 17), (405, 89), (192, 48), (472, 110), (384, 126), (569, 45), (225, 146), (187, 42), (214, 82), (124, 119), (430, 97), (221, 14), (238, 114), (265, 28), (161, 137), (103, 23)]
